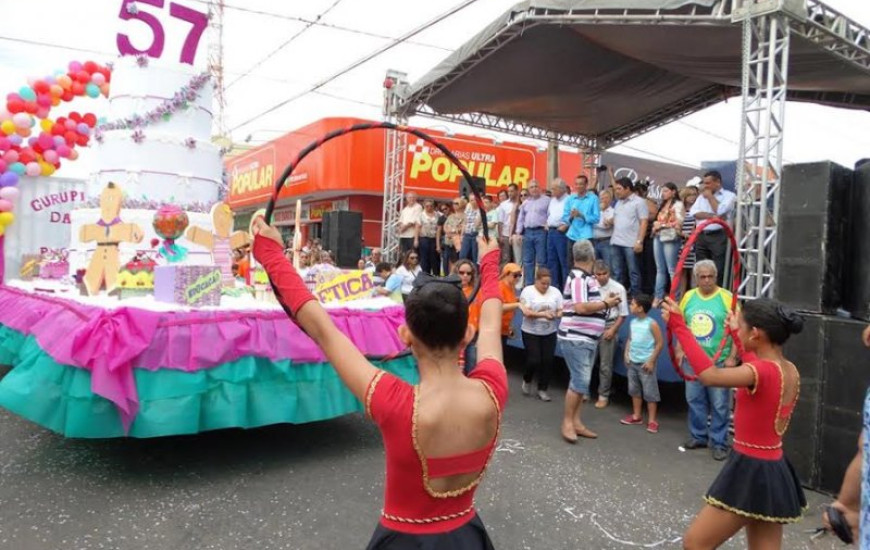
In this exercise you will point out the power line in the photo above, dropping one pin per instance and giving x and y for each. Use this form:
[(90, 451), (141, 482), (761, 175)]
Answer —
[(284, 44), (322, 24), (361, 61)]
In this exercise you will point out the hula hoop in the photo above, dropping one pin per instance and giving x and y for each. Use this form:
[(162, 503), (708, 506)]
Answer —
[(308, 149), (735, 286)]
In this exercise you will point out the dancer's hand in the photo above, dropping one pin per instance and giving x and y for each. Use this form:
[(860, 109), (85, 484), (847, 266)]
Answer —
[(851, 517), (731, 321), (261, 228), (669, 306), (485, 246)]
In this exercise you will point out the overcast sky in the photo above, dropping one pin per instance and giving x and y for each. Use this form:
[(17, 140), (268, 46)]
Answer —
[(38, 38)]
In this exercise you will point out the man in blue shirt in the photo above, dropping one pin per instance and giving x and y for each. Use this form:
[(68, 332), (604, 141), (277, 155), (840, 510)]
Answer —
[(581, 213)]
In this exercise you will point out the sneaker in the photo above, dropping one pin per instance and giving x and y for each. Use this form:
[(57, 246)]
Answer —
[(653, 427), (630, 420), (720, 454), (692, 444), (601, 403), (527, 388), (544, 396)]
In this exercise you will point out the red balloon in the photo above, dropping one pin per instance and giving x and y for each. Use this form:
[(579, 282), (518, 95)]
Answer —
[(70, 137), (26, 155), (75, 116), (38, 148), (83, 76), (67, 95), (30, 107), (82, 140), (91, 67), (15, 106), (41, 87), (58, 129), (78, 88), (90, 119), (107, 73)]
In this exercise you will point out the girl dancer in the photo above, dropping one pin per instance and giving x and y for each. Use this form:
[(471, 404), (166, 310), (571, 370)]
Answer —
[(757, 488), (440, 434)]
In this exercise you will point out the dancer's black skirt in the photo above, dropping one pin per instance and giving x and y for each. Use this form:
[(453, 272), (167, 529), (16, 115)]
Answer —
[(765, 490), (471, 536)]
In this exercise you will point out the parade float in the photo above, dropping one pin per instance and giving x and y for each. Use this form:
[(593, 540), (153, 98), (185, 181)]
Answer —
[(138, 327)]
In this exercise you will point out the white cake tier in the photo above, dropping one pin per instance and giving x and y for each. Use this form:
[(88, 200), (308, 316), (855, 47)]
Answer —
[(138, 90), (80, 253), (158, 170)]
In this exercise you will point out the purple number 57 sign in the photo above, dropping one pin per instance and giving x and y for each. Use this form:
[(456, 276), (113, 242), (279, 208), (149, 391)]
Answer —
[(133, 9)]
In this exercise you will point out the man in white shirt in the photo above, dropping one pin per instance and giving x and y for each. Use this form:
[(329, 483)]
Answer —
[(714, 202), (557, 242), (506, 222), (409, 217), (613, 320)]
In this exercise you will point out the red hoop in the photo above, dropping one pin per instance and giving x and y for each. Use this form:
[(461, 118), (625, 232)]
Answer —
[(735, 285)]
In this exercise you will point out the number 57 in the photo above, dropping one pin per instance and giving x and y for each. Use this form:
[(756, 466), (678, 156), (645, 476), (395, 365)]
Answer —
[(198, 20)]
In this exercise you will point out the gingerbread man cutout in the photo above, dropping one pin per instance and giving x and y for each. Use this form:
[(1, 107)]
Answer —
[(108, 232), (222, 242)]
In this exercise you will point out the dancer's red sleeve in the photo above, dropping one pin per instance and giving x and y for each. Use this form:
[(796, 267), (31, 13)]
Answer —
[(489, 277), (697, 357), (292, 292)]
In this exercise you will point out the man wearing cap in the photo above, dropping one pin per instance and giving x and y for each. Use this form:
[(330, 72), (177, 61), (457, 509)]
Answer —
[(714, 201)]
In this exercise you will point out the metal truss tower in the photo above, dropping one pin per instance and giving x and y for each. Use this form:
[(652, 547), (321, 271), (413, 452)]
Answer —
[(216, 66), (395, 153), (766, 34)]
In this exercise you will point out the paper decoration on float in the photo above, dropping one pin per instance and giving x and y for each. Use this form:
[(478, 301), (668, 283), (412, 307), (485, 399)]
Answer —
[(138, 274), (188, 285), (169, 223), (108, 232), (222, 241), (346, 287)]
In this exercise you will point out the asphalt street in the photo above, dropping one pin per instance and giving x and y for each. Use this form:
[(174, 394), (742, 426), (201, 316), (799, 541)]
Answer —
[(319, 486)]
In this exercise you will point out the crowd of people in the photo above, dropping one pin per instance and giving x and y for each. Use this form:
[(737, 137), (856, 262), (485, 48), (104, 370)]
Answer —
[(576, 264)]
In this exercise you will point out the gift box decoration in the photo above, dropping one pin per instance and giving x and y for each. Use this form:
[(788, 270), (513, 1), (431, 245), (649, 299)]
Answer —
[(188, 285), (138, 273)]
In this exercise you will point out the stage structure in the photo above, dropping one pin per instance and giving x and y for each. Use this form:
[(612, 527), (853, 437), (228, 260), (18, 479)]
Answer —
[(593, 74)]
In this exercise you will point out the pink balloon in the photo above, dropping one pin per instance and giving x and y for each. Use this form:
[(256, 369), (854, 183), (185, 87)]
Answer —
[(9, 193), (70, 124), (63, 151), (73, 154), (5, 205), (11, 157), (98, 78), (33, 169), (42, 112), (75, 66), (50, 156), (46, 141), (2, 166), (5, 144)]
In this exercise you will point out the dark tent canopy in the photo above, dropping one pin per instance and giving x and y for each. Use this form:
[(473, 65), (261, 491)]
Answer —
[(609, 70)]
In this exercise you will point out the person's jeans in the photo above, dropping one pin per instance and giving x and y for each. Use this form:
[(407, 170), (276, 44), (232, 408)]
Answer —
[(405, 244), (713, 245), (469, 247), (715, 402), (625, 268), (603, 251), (428, 256), (580, 357), (667, 253), (540, 351), (606, 351), (557, 261), (534, 252), (449, 256)]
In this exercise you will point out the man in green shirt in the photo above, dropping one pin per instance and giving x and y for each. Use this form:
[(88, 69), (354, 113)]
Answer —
[(706, 309)]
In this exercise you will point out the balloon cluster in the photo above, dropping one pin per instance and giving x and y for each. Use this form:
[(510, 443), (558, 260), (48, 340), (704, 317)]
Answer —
[(31, 143)]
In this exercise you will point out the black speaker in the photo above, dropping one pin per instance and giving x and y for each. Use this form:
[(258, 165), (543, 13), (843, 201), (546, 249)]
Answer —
[(858, 280), (801, 441), (814, 223), (342, 236), (822, 435)]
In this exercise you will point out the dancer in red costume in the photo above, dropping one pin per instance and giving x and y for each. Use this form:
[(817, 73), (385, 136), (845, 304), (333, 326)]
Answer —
[(757, 488), (439, 435)]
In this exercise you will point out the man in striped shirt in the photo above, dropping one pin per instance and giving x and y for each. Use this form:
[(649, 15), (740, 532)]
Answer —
[(583, 320)]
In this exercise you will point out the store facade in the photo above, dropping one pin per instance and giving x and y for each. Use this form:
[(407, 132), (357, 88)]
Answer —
[(347, 173)]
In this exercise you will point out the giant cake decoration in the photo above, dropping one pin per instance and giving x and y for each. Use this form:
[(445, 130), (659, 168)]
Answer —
[(156, 147)]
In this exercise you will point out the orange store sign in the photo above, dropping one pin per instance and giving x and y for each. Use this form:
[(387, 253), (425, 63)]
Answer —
[(252, 174)]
